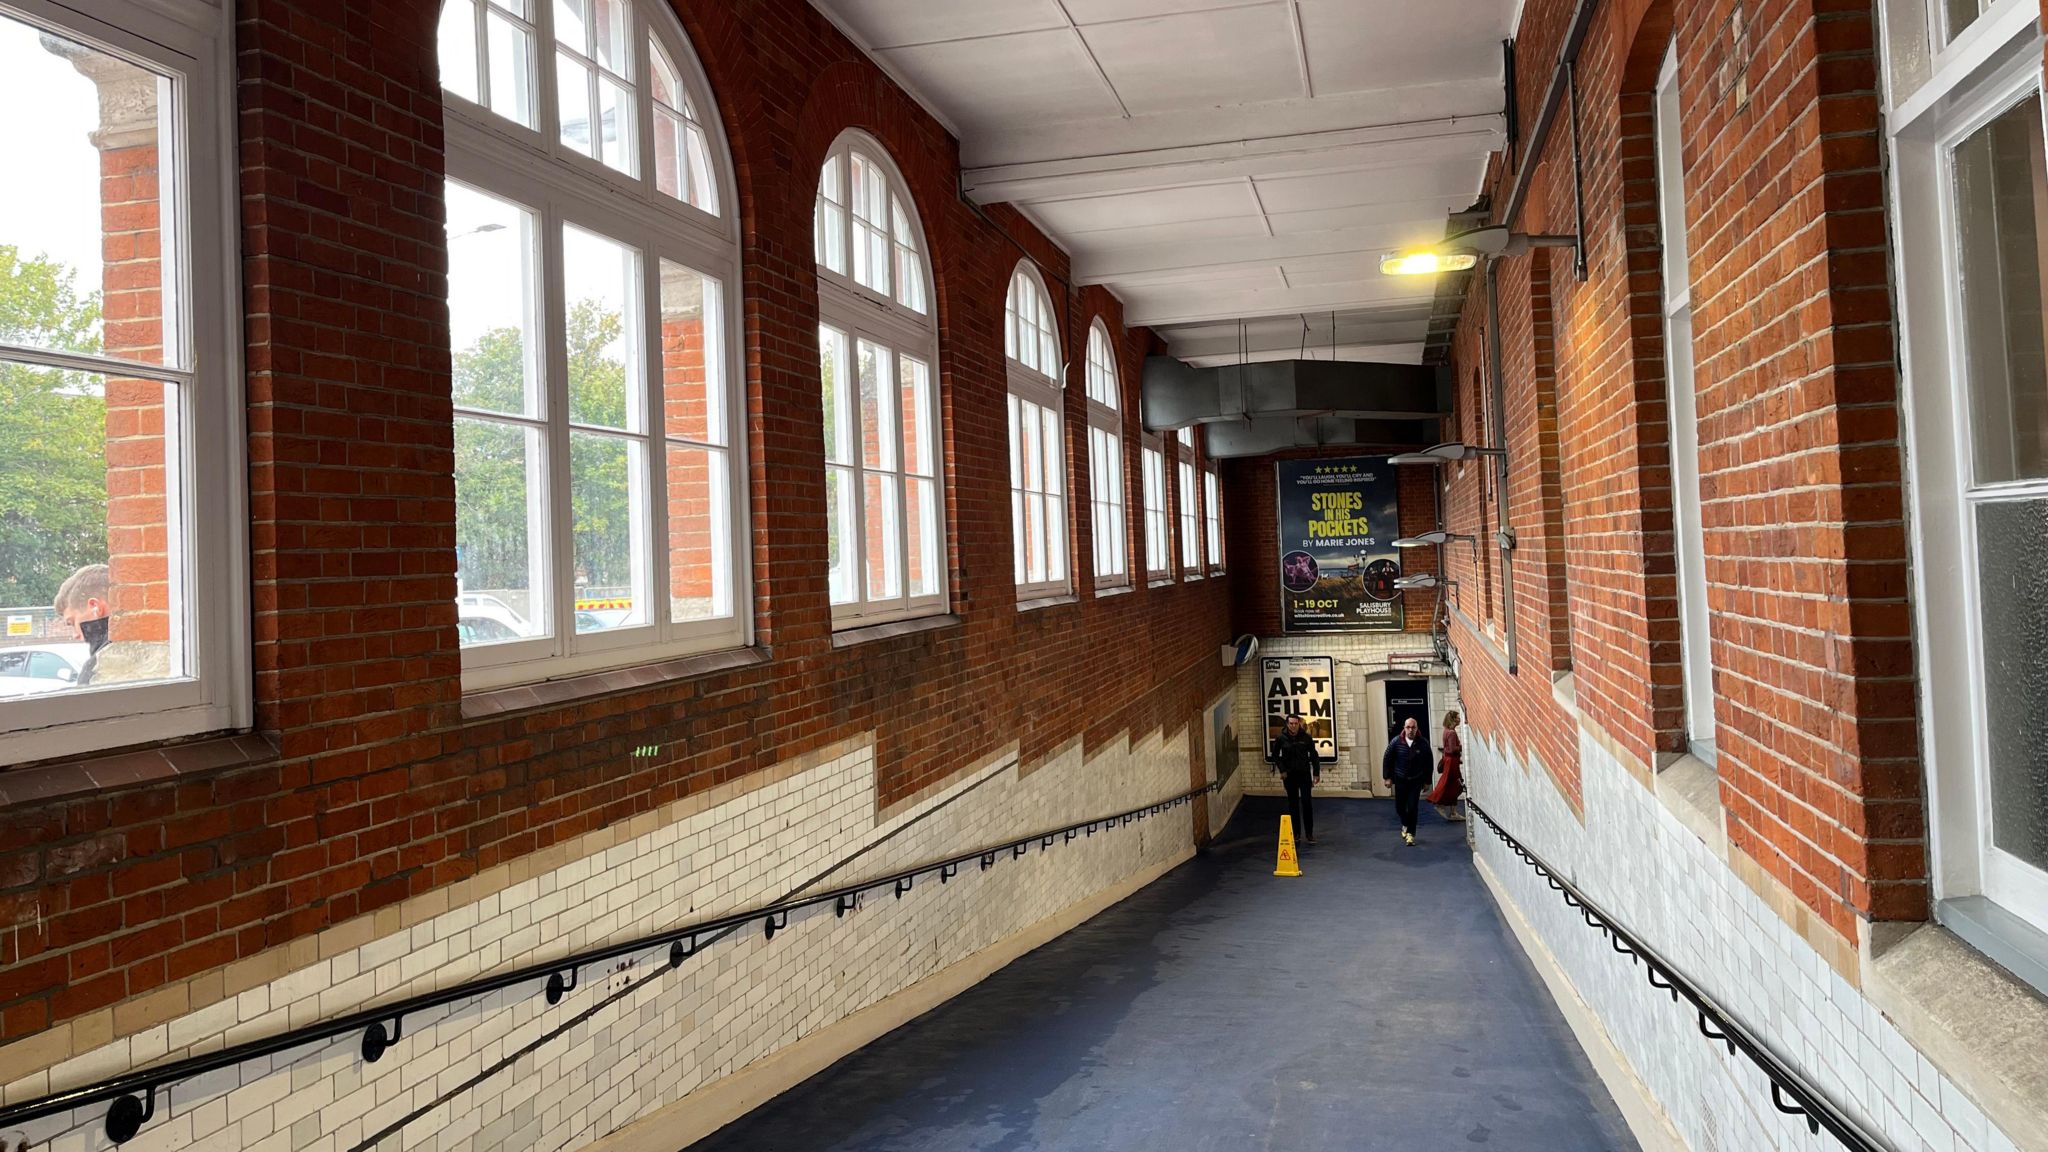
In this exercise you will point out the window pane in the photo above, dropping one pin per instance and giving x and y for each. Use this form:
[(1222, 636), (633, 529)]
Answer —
[(80, 224), (1018, 544), (614, 21), (831, 217), (2012, 558), (498, 521), (1962, 14), (921, 517), (1034, 538), (884, 552), (842, 540), (703, 190), (1055, 473), (909, 279), (667, 87), (616, 102), (600, 281), (511, 64), (692, 335), (699, 534), (878, 429), (606, 482), (670, 176), (91, 544), (1055, 538), (573, 101), (572, 24), (490, 303), (915, 399), (2002, 205), (839, 413), (456, 48)]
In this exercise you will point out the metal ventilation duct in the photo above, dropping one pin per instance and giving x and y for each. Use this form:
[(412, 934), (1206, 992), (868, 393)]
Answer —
[(1177, 395), (1260, 435)]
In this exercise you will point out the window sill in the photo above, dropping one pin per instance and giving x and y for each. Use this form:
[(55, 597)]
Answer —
[(1191, 576), (575, 689), (1117, 590), (1978, 1023), (1159, 582), (849, 637), (55, 781), (1047, 602), (1690, 790)]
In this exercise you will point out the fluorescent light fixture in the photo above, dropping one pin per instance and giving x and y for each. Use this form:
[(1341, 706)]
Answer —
[(1444, 454), (1426, 263), (1432, 539), (1419, 580)]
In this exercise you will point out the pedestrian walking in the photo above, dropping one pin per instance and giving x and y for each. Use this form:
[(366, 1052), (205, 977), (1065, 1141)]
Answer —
[(1406, 766), (1300, 770), (1450, 763)]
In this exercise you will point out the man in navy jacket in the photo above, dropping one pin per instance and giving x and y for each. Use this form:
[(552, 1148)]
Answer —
[(1407, 767)]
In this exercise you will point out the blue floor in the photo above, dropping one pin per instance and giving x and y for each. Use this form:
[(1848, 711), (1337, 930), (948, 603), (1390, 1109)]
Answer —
[(1376, 1002)]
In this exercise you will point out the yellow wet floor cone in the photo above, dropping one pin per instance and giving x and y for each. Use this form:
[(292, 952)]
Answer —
[(1289, 865)]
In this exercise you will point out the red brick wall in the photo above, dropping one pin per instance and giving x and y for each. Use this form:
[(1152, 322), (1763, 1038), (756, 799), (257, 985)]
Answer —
[(382, 789), (1801, 463)]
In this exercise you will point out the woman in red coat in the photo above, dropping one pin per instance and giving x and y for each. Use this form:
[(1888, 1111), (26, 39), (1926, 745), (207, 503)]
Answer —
[(1450, 782)]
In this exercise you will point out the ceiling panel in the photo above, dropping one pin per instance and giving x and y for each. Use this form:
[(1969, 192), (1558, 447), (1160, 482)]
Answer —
[(1399, 44), (1104, 11), (1224, 56), (1023, 76), (1154, 206), (1185, 232), (893, 23), (1393, 184)]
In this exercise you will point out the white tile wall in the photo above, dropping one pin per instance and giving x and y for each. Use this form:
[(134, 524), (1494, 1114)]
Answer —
[(1361, 738), (737, 1001), (1637, 861)]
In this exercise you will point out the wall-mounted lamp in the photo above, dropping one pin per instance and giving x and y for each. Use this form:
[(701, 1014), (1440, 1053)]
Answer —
[(1422, 580), (1466, 249), (1431, 539), (1445, 454)]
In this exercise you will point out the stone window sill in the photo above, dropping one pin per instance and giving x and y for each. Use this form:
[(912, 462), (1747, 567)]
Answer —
[(58, 780), (1159, 582), (1690, 790), (1118, 590), (576, 689), (1034, 605), (872, 632), (1982, 1026)]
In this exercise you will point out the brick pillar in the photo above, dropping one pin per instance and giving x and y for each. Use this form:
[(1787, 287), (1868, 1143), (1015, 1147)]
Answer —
[(138, 539)]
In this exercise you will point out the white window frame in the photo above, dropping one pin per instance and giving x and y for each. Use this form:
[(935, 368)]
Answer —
[(1995, 64), (192, 43), (1158, 517), (1212, 516), (1695, 640), (1037, 408), (561, 187), (899, 319), (1190, 517), (1107, 489)]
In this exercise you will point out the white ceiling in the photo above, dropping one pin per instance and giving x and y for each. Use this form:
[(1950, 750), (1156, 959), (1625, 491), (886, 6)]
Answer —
[(1218, 160)]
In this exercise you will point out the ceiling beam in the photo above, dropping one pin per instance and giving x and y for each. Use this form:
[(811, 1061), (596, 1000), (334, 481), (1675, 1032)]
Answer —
[(1408, 352), (1141, 261), (1180, 308), (1375, 146)]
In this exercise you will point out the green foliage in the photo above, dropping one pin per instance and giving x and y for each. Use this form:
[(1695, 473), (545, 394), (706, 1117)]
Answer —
[(53, 475), (492, 461)]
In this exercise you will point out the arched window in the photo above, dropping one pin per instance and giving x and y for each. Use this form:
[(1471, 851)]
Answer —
[(592, 259), (1106, 463), (878, 352), (1038, 492)]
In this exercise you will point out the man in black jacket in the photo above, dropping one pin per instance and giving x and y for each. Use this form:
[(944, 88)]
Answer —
[(1406, 766), (1300, 770)]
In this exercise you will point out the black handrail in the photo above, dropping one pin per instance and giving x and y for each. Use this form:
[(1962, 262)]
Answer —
[(132, 1095), (1715, 1022)]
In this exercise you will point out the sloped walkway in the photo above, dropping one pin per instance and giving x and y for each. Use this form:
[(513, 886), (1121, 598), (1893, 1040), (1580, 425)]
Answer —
[(1376, 1002)]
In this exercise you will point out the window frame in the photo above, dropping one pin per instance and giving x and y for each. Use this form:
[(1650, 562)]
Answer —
[(1212, 517), (562, 188), (1155, 503), (1043, 388), (1963, 93), (1188, 512), (860, 312), (192, 44), (1681, 406), (1108, 496)]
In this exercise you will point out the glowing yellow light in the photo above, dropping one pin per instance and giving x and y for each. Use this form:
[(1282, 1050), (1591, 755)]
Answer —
[(1425, 262)]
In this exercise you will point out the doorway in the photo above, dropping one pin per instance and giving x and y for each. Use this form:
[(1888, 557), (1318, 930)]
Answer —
[(1406, 698)]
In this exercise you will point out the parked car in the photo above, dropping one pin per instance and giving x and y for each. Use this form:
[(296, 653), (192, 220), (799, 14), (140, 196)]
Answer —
[(599, 619), (33, 669), (484, 606), (483, 630)]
